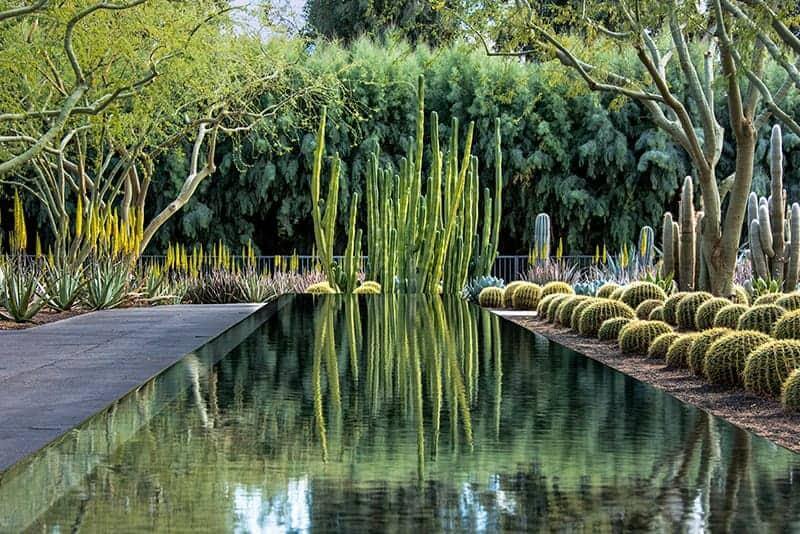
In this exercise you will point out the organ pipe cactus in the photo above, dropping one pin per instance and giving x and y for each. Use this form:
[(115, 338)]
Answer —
[(680, 242), (774, 248), (492, 210), (324, 222)]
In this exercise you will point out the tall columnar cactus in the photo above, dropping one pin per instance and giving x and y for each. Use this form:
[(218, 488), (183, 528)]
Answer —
[(774, 248), (646, 245), (324, 223), (541, 236), (492, 210), (681, 244)]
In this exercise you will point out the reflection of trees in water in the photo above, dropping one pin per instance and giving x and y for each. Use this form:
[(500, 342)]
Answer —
[(400, 406)]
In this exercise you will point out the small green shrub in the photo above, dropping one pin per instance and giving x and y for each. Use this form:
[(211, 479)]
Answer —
[(636, 336), (660, 345), (671, 306), (491, 297), (566, 307), (767, 367), (607, 289), (790, 392), (551, 288), (645, 307), (687, 309), (638, 292), (610, 328), (789, 301), (508, 293), (707, 311), (761, 317), (697, 356), (788, 326), (728, 317), (552, 308), (678, 352), (725, 358), (526, 296), (597, 312), (767, 298)]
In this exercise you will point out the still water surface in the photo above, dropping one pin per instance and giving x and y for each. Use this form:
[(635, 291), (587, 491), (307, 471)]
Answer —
[(399, 414)]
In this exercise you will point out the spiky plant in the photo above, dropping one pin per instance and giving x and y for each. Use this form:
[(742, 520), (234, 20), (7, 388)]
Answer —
[(21, 293), (526, 296), (491, 297), (368, 288), (707, 311), (687, 309), (726, 357), (617, 293), (107, 285), (697, 355), (551, 288), (678, 352), (769, 366), (657, 314), (646, 306), (788, 326), (552, 308), (636, 336), (661, 344), (544, 303), (607, 289), (728, 316), (476, 285), (638, 292), (508, 293), (790, 392), (789, 301), (671, 306), (574, 320), (609, 330), (768, 298), (321, 288), (740, 295), (597, 312), (761, 317), (63, 286), (566, 307)]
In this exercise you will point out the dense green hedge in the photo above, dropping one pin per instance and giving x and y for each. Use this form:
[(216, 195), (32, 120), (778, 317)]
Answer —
[(599, 167)]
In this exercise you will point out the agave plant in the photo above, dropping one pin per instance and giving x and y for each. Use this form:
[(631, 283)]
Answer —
[(476, 285), (218, 286), (256, 287), (107, 285), (21, 293), (559, 270), (63, 286)]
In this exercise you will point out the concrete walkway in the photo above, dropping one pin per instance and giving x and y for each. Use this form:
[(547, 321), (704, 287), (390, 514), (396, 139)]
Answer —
[(54, 376)]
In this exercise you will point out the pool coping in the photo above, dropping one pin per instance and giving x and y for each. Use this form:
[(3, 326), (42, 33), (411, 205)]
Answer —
[(56, 376)]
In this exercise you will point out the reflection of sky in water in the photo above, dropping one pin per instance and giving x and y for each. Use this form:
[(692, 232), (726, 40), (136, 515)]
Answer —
[(289, 512)]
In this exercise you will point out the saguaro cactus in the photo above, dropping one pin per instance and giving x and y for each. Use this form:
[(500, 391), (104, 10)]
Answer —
[(541, 236), (774, 254)]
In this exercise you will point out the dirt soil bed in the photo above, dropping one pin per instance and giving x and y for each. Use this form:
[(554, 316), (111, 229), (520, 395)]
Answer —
[(43, 317), (764, 417)]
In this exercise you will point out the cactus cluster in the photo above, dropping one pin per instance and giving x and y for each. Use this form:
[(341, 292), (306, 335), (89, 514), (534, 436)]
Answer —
[(611, 328), (552, 308), (767, 298), (660, 345), (645, 307), (740, 296), (594, 315), (491, 297), (728, 316), (726, 357), (671, 307), (656, 314), (544, 303), (574, 321), (681, 243), (638, 292), (789, 301), (636, 336), (508, 293), (774, 252), (321, 288), (761, 318), (526, 296), (769, 366), (697, 355), (678, 352), (686, 311), (790, 392), (607, 289), (788, 326), (707, 312), (368, 287), (552, 288), (567, 306)]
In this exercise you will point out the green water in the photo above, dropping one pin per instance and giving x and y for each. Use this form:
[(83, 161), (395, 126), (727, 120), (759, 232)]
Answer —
[(394, 415)]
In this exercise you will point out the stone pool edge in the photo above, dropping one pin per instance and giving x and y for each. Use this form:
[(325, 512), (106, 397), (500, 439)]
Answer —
[(761, 416)]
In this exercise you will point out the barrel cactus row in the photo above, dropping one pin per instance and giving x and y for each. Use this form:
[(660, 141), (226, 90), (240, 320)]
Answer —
[(686, 310), (526, 296), (769, 366), (637, 292), (707, 312), (678, 352), (594, 315), (566, 307), (610, 329), (697, 354), (660, 345), (761, 318), (491, 297), (636, 336), (508, 293), (728, 316), (726, 357)]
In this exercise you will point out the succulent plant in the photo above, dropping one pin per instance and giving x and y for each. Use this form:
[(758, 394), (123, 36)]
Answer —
[(656, 314), (728, 316), (768, 366), (526, 296), (768, 298), (661, 344), (566, 307), (607, 289), (368, 288), (740, 296), (671, 307), (681, 244), (491, 297), (678, 352), (761, 318), (726, 357), (476, 285), (508, 293), (574, 321), (597, 312), (687, 309), (789, 301), (707, 311), (544, 303), (645, 307), (788, 326), (588, 288), (636, 336), (790, 392), (638, 292), (697, 355), (321, 288), (617, 293), (551, 288), (552, 308), (610, 328)]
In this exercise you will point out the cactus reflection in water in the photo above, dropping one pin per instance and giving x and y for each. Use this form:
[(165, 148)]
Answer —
[(429, 424)]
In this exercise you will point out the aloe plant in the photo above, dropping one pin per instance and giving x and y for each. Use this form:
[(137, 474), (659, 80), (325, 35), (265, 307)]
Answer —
[(63, 287), (107, 285), (21, 293)]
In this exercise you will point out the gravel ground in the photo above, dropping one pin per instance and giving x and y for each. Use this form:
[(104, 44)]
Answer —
[(43, 317)]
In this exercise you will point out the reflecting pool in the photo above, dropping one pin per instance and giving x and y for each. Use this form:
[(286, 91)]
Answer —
[(397, 414)]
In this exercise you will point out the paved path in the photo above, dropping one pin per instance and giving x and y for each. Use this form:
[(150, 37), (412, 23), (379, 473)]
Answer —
[(54, 376)]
